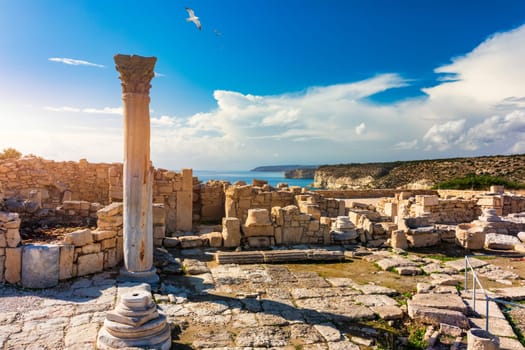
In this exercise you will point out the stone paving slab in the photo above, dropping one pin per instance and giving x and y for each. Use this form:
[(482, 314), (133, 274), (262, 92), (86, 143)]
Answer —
[(497, 326), (481, 309), (459, 265)]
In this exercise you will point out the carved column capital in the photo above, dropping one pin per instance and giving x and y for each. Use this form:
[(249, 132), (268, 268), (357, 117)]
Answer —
[(136, 72)]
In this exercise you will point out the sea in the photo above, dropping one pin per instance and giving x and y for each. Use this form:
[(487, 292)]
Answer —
[(247, 176)]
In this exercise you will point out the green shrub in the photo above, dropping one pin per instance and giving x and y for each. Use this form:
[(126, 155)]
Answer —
[(477, 182)]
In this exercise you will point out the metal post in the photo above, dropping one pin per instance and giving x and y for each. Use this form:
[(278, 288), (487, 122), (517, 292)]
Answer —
[(473, 291), (487, 313), (466, 274)]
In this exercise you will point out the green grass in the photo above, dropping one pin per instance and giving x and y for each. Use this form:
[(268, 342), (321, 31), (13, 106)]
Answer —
[(477, 182), (415, 338)]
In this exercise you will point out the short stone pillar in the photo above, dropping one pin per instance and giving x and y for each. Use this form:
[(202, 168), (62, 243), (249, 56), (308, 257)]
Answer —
[(231, 232), (398, 240), (136, 73), (135, 323), (479, 339), (258, 223), (343, 230)]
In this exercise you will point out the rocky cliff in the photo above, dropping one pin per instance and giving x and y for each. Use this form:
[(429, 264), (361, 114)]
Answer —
[(300, 174), (420, 174)]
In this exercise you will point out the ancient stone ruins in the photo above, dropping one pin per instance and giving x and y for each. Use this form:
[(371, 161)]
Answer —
[(225, 255)]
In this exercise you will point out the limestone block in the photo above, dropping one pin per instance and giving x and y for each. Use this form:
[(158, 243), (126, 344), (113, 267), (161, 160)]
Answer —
[(292, 235), (231, 232), (426, 200), (66, 261), (159, 232), (110, 258), (420, 238), (503, 242), (107, 244), (490, 201), (470, 236), (214, 239), (90, 263), (257, 217), (115, 208), (259, 242), (91, 248), (100, 235), (190, 242), (254, 231), (120, 248), (110, 222), (313, 210), (12, 237), (3, 241), (13, 224), (2, 265), (159, 214), (13, 265), (79, 238), (398, 240), (171, 242), (521, 236), (40, 266)]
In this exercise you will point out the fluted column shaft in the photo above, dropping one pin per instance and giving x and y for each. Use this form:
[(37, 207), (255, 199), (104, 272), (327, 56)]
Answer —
[(136, 73)]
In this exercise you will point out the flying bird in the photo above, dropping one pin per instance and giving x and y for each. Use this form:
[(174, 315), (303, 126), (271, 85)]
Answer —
[(193, 18)]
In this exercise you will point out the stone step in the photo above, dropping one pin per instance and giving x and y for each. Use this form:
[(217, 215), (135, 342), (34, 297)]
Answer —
[(278, 256)]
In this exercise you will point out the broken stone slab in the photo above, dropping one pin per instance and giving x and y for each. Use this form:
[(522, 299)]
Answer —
[(459, 265), (375, 300), (501, 242), (375, 289), (40, 266), (408, 270), (325, 255), (79, 238), (437, 268), (388, 312), (497, 326), (194, 266), (511, 293), (255, 257), (434, 316), (190, 242), (276, 256), (439, 301), (443, 279), (481, 309), (393, 262)]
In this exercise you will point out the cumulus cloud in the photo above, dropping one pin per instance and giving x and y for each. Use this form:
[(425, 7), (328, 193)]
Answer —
[(74, 62), (166, 120), (476, 107), (406, 145), (444, 136), (360, 129)]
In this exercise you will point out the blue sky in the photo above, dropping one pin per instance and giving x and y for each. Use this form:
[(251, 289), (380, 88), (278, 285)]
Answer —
[(267, 82)]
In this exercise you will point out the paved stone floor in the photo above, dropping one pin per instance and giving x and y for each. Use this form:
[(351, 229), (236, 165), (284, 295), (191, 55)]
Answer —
[(224, 307)]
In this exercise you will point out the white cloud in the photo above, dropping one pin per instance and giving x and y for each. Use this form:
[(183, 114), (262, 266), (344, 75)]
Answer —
[(444, 136), (74, 62), (159, 75), (476, 107), (360, 129), (406, 145), (165, 120)]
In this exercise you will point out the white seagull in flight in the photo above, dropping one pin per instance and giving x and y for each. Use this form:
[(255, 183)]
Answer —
[(193, 18)]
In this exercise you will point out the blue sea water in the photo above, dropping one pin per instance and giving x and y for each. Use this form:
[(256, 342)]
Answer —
[(232, 176)]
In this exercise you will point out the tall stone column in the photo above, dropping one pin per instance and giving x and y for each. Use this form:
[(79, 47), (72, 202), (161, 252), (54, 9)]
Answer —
[(136, 73)]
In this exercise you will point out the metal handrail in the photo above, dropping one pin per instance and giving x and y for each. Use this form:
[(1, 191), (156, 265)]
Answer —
[(475, 280)]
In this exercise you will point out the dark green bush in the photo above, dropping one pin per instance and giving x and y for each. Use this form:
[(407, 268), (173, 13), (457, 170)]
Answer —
[(477, 182)]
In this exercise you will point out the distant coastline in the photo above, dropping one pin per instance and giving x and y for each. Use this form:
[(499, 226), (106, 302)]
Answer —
[(283, 168)]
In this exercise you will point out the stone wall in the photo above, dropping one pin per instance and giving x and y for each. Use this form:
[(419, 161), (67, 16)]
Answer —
[(241, 198), (55, 181), (379, 193), (293, 227), (212, 198), (47, 191)]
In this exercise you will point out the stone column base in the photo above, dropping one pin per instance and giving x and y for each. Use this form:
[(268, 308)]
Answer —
[(149, 276)]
